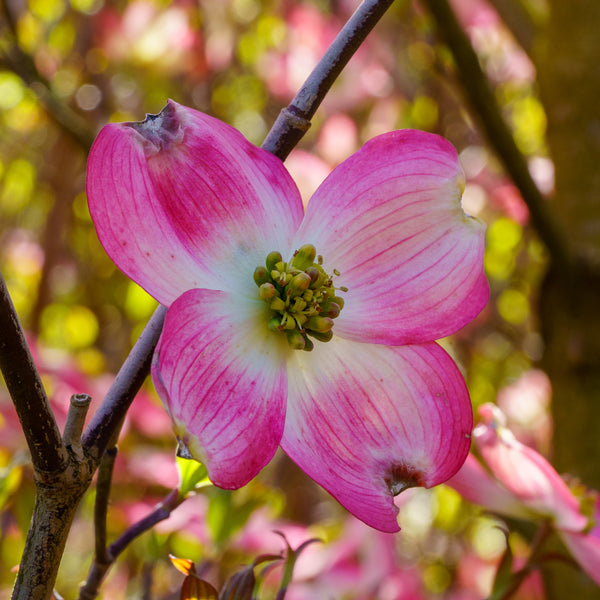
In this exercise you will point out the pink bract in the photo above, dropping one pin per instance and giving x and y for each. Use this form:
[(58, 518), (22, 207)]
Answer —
[(522, 484), (585, 547), (188, 208), (526, 473)]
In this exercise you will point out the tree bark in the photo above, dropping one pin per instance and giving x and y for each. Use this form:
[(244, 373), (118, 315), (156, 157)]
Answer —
[(57, 499), (568, 60)]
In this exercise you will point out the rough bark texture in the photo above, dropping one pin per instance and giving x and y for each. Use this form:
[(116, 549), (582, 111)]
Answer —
[(56, 502), (568, 60), (569, 74)]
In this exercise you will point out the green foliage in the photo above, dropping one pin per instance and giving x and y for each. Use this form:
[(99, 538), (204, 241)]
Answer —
[(192, 476), (227, 513)]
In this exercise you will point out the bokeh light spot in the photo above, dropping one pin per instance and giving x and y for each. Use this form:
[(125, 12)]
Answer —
[(12, 90), (88, 96), (513, 306), (138, 303)]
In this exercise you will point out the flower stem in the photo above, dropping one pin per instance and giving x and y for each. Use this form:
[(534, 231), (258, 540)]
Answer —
[(529, 567)]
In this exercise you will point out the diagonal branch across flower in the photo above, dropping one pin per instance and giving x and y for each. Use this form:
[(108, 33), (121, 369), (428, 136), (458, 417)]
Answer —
[(383, 262)]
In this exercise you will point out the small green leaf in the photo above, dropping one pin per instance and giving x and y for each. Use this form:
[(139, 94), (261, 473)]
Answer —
[(192, 475), (290, 562)]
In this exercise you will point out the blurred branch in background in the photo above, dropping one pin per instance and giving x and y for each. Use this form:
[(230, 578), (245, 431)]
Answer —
[(486, 110), (15, 59), (522, 24)]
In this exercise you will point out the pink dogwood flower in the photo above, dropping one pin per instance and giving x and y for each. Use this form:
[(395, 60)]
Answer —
[(313, 331), (523, 484)]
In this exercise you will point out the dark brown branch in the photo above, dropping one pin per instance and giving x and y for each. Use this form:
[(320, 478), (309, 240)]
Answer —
[(11, 20), (293, 122), (27, 392), (483, 103), (56, 501)]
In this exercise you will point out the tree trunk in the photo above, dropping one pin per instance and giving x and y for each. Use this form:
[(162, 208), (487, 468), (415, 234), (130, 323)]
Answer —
[(56, 502), (568, 61)]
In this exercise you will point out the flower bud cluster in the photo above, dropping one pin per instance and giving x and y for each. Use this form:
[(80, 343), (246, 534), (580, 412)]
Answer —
[(301, 297)]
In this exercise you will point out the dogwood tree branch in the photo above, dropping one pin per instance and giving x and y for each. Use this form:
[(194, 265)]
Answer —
[(66, 118), (485, 107), (294, 120), (162, 511), (103, 486), (48, 453), (56, 500)]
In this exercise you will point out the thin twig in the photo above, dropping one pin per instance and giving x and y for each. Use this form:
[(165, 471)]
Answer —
[(518, 577), (103, 485), (483, 102), (78, 409), (24, 384), (162, 511), (102, 557), (293, 122)]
